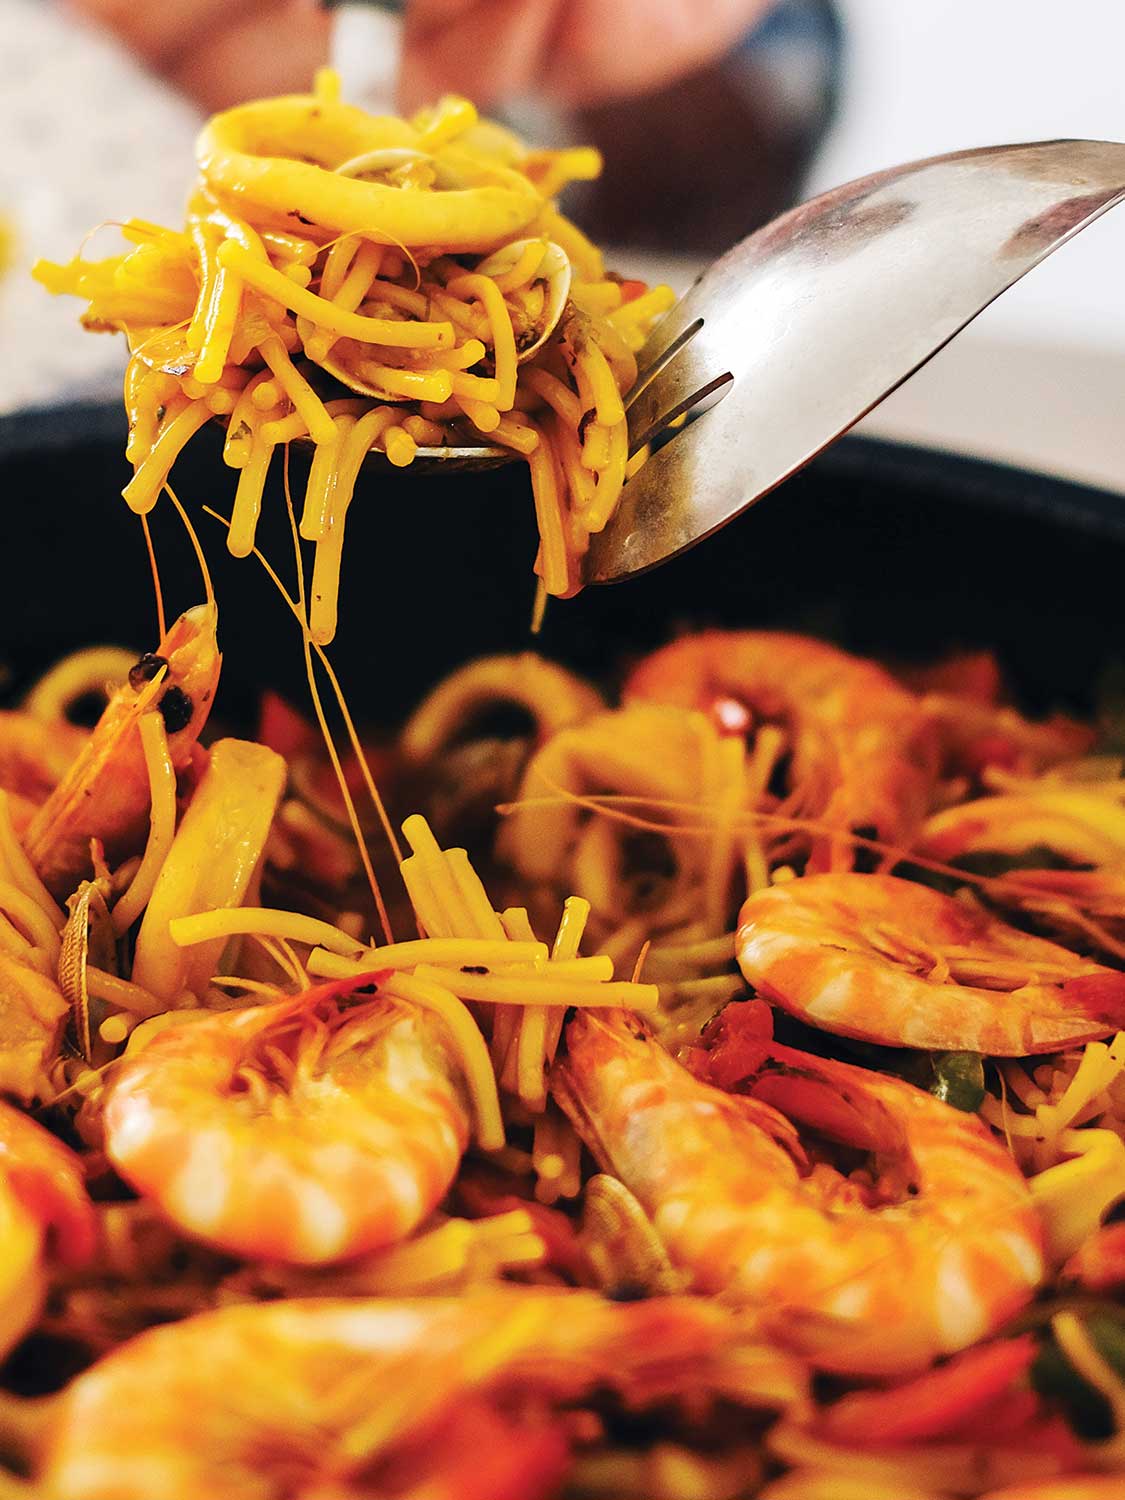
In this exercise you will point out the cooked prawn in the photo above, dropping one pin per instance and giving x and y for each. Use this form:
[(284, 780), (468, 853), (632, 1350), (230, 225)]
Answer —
[(305, 1130), (1078, 822), (975, 735), (929, 1259), (963, 695), (34, 757), (105, 792), (889, 961), (1086, 906), (864, 756), (1049, 823), (271, 1401), (43, 1210)]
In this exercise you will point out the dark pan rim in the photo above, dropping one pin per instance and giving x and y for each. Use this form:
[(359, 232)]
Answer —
[(912, 467)]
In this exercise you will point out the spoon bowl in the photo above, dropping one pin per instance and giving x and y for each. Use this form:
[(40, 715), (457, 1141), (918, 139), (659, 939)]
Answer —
[(805, 326), (799, 331)]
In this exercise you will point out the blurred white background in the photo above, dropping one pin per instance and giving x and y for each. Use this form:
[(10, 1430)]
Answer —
[(88, 136), (1039, 379)]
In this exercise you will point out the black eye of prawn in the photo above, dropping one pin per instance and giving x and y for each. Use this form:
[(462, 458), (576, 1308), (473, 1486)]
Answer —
[(175, 709), (865, 860), (146, 669), (627, 1291)]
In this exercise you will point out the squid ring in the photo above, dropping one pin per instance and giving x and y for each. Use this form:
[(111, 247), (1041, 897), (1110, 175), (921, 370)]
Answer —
[(280, 156)]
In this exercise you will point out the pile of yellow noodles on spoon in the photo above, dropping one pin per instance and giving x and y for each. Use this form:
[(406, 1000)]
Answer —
[(364, 282)]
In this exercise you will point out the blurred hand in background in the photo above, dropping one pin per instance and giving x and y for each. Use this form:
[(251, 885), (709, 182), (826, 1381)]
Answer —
[(571, 51), (693, 103), (219, 52)]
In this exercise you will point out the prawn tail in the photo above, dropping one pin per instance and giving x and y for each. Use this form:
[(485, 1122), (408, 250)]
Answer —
[(1100, 997)]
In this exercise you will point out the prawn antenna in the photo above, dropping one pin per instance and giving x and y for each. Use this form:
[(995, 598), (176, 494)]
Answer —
[(154, 568), (197, 546), (297, 609), (337, 688)]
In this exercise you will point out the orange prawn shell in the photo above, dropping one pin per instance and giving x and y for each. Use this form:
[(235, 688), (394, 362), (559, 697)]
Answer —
[(809, 946), (856, 1287), (975, 736), (1066, 820), (49, 1181), (105, 792), (864, 752), (319, 1168), (189, 1410), (45, 1215)]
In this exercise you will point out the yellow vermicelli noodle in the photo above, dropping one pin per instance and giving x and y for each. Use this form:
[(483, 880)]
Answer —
[(362, 282)]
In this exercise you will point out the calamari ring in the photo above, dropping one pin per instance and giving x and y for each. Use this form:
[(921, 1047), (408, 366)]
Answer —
[(279, 155)]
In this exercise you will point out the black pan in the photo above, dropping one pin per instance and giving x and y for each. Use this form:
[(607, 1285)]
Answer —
[(886, 549)]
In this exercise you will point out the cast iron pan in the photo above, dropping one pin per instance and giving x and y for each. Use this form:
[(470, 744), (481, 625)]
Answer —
[(889, 550)]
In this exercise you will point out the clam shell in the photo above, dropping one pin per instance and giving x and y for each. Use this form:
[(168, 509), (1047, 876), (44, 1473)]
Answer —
[(554, 270), (375, 163), (623, 1246)]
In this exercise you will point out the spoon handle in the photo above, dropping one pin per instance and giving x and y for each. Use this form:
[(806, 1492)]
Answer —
[(366, 50)]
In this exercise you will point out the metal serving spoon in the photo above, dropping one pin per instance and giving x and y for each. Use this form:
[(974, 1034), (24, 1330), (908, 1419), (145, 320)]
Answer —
[(806, 325), (800, 330)]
